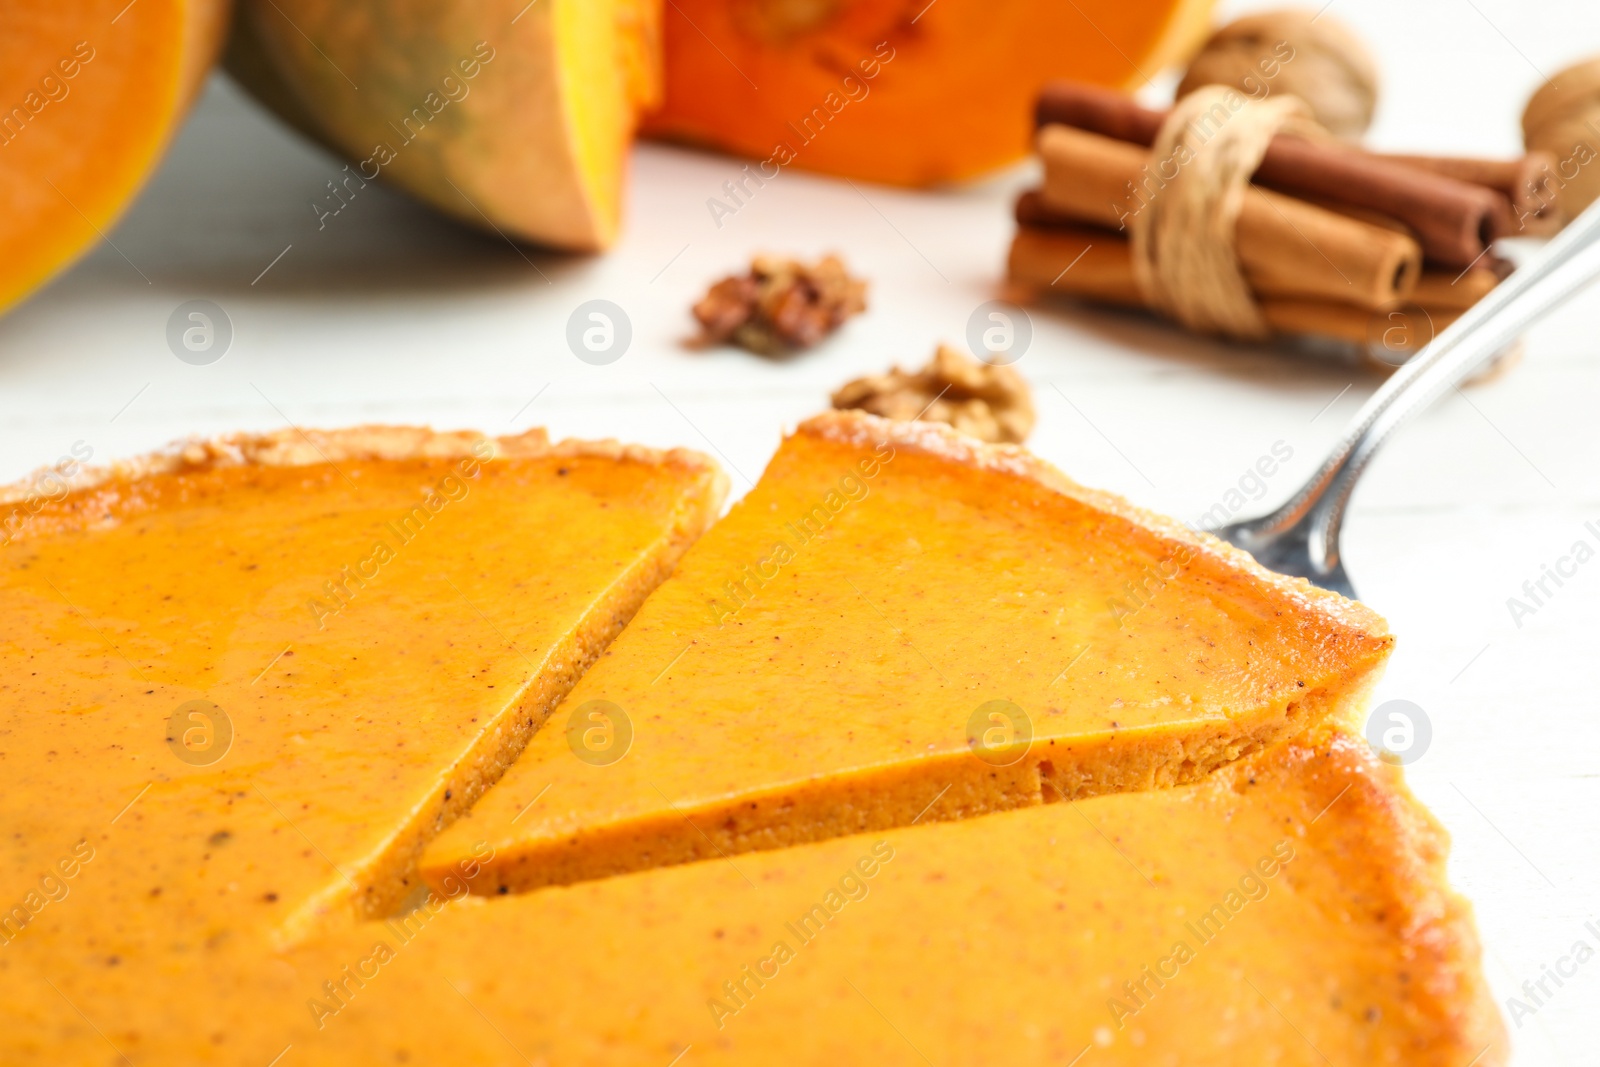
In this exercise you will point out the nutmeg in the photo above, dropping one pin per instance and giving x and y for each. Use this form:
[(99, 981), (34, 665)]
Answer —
[(1296, 51), (1563, 118)]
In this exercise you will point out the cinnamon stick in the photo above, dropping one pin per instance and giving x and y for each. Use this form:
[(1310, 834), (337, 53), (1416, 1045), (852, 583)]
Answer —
[(1529, 207), (1098, 265), (1490, 268), (1076, 261), (1367, 215), (1452, 219), (1446, 290), (1286, 247)]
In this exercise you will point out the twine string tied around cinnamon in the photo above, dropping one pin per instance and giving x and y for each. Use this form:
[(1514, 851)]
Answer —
[(1184, 238)]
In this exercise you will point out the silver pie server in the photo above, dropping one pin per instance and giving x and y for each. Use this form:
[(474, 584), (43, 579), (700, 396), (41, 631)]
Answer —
[(1301, 537)]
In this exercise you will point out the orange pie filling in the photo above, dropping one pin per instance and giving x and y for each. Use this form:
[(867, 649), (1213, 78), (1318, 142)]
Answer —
[(247, 685), (258, 676), (1291, 909), (901, 625)]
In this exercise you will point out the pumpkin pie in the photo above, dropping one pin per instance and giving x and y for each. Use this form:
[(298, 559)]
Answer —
[(243, 682), (1291, 909), (900, 624)]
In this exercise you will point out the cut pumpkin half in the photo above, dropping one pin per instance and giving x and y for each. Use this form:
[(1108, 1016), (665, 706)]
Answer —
[(512, 116), (908, 92), (90, 94)]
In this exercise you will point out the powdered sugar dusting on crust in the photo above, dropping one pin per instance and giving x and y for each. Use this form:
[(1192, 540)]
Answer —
[(860, 429)]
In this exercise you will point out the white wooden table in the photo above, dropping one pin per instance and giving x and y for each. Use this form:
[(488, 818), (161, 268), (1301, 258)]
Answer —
[(391, 314)]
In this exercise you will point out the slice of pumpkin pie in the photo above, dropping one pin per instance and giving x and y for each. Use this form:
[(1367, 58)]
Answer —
[(899, 624), (242, 683)]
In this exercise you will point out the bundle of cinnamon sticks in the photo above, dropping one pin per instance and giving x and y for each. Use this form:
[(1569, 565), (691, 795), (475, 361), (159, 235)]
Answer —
[(1335, 241)]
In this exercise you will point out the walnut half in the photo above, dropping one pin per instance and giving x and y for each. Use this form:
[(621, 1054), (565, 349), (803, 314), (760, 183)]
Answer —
[(781, 305), (991, 403)]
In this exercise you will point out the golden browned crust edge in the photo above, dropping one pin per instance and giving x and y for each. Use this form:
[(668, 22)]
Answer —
[(941, 442), (1399, 853), (304, 448)]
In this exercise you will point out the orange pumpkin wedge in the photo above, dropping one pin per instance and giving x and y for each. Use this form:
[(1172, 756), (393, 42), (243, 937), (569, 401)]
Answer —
[(907, 92), (514, 116), (90, 94)]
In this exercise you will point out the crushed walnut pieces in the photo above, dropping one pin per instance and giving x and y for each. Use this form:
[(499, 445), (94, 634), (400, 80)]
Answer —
[(989, 402), (781, 305)]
